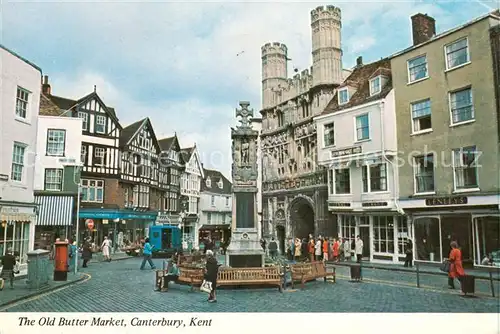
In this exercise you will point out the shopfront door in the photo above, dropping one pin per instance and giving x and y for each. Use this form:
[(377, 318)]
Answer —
[(364, 234)]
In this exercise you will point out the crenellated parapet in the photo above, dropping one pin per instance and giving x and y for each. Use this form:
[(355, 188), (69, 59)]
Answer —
[(325, 13), (274, 48)]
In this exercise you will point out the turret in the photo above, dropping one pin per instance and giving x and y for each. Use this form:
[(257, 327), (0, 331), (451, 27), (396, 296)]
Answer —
[(326, 45), (274, 70)]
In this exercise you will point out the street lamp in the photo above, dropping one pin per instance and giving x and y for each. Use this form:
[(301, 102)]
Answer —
[(77, 225)]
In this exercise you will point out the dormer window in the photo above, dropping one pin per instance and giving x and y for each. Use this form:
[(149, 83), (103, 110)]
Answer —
[(172, 155), (375, 85), (208, 182), (220, 184), (343, 96)]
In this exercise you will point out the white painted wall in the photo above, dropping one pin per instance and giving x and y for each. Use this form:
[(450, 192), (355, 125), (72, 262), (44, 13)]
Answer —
[(72, 149), (382, 128), (16, 72), (223, 207)]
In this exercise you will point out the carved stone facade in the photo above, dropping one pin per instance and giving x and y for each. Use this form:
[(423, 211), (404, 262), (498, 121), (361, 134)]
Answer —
[(291, 175)]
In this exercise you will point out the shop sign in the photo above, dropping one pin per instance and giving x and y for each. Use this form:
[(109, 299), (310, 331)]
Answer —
[(371, 204), (346, 151), (9, 210), (454, 200), (338, 204)]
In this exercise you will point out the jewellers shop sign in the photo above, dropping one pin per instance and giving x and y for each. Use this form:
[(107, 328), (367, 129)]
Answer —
[(440, 201), (346, 151)]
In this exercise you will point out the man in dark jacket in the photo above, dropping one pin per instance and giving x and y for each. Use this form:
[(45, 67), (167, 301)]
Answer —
[(273, 248), (212, 269), (8, 263)]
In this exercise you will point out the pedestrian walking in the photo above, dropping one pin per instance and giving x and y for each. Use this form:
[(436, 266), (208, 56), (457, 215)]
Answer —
[(273, 248), (86, 253), (409, 254), (336, 248), (212, 269), (347, 250), (298, 250), (318, 249), (359, 249), (456, 268), (9, 267), (147, 254), (106, 249), (325, 249)]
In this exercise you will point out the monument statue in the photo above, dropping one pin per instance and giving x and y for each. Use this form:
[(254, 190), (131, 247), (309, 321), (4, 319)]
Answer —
[(244, 249)]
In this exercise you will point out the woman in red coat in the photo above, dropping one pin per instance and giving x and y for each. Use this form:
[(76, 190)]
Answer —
[(456, 268), (336, 246)]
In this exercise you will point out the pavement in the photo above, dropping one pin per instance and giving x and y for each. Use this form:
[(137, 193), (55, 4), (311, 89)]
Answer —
[(120, 286)]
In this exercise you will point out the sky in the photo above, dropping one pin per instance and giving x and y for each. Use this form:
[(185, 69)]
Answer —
[(186, 65)]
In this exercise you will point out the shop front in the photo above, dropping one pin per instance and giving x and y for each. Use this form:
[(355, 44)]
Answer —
[(55, 220), (121, 226), (17, 228), (219, 234), (386, 235), (472, 221)]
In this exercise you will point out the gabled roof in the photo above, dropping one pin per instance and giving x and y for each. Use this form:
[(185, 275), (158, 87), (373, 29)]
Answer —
[(359, 79), (70, 104), (130, 132), (186, 154), (48, 107), (167, 143), (216, 176)]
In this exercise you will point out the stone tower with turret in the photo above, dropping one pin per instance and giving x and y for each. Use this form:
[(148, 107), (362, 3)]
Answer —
[(326, 47), (274, 70), (294, 187)]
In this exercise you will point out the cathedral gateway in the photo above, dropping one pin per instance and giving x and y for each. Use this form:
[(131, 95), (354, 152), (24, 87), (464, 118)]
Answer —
[(294, 186)]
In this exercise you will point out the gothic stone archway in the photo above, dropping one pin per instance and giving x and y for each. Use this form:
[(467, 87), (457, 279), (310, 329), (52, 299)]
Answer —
[(302, 217)]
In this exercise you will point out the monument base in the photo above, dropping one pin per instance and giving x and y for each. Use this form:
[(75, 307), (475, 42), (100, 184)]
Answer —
[(245, 250)]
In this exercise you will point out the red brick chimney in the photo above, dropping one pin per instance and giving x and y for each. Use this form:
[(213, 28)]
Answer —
[(423, 28), (46, 85)]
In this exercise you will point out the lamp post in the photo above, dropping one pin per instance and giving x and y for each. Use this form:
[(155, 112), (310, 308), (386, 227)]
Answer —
[(77, 226)]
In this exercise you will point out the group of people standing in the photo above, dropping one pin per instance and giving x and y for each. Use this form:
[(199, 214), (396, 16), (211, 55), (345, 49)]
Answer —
[(324, 249)]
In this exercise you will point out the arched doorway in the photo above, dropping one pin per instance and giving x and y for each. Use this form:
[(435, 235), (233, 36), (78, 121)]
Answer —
[(302, 218)]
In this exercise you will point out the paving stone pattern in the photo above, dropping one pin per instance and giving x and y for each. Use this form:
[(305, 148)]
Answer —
[(121, 287)]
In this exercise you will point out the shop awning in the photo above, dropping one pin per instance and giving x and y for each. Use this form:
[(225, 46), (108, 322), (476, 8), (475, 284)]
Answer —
[(16, 217), (54, 210), (215, 227)]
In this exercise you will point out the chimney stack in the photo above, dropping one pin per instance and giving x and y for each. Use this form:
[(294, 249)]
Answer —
[(46, 85), (359, 61), (423, 28)]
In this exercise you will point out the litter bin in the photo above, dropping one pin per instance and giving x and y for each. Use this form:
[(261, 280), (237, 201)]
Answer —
[(356, 272), (38, 269), (468, 284)]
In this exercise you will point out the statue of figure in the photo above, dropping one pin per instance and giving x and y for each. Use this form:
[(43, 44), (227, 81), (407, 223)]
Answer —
[(245, 152)]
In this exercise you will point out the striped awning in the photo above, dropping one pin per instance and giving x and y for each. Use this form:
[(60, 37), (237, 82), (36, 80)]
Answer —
[(54, 210)]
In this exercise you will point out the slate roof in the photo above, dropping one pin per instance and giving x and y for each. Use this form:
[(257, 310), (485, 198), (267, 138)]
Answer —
[(186, 154), (215, 176), (359, 79), (129, 131), (66, 104), (165, 143)]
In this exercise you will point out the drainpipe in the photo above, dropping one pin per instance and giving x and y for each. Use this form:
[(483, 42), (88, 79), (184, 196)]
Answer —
[(394, 167)]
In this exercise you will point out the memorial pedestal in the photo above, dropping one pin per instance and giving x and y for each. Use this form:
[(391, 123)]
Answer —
[(245, 250)]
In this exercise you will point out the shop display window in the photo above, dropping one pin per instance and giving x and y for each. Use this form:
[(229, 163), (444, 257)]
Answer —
[(427, 239)]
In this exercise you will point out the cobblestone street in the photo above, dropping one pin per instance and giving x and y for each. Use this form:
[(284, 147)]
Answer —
[(121, 287)]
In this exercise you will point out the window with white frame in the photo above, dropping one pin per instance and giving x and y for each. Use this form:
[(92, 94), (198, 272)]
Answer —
[(329, 134), (208, 182), (349, 228), (144, 140), (362, 127), (227, 201), (374, 177), (126, 196), (424, 173), (343, 95), (342, 181), (56, 142), (53, 179), (17, 168), (85, 120), (417, 68), (92, 191), (212, 200), (100, 124), (402, 236), (193, 205), (220, 184), (383, 234), (143, 196), (209, 217), (465, 167), (461, 106), (22, 97), (171, 202), (99, 155), (457, 53), (421, 115), (375, 85)]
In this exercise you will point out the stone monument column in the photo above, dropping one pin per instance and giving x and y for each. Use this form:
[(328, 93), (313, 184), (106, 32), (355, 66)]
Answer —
[(244, 249)]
